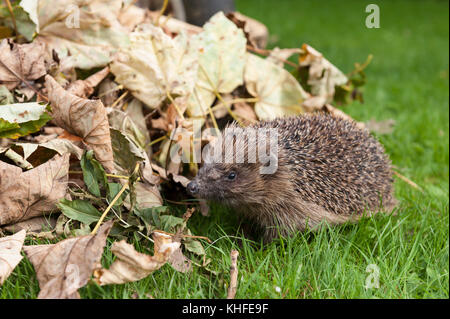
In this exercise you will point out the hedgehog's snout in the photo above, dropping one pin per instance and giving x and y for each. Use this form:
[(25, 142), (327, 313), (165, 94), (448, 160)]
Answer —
[(192, 188)]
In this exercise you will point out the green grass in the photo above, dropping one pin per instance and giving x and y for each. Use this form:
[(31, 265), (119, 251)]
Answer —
[(408, 82)]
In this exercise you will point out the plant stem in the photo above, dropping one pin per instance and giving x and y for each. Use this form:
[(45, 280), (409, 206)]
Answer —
[(124, 187), (119, 99), (175, 104), (108, 175), (10, 9), (161, 12)]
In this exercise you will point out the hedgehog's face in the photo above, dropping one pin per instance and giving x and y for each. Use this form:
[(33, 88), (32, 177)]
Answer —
[(231, 184)]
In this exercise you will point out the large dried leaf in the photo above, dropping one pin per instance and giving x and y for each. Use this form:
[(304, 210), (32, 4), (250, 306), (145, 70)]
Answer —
[(278, 92), (84, 34), (131, 265), (156, 64), (24, 60), (222, 48), (84, 118), (24, 195), (65, 267), (10, 256)]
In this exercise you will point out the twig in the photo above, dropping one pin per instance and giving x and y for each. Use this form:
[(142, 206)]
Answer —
[(119, 99), (180, 114), (233, 275), (185, 236), (159, 139), (219, 97), (239, 100), (108, 175), (408, 181), (13, 18), (124, 187), (161, 12), (19, 160)]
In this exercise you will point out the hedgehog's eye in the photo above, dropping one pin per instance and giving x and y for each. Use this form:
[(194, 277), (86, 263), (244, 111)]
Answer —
[(231, 176)]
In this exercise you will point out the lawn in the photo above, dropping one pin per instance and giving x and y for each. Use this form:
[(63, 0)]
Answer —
[(408, 82)]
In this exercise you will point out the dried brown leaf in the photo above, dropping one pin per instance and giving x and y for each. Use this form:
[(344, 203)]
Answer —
[(24, 195), (85, 88), (65, 267), (131, 265), (255, 32), (10, 256), (180, 262), (323, 76), (25, 60), (175, 177), (84, 118), (35, 225)]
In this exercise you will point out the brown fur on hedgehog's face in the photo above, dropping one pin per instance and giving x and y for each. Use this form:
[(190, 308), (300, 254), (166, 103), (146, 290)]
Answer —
[(231, 184)]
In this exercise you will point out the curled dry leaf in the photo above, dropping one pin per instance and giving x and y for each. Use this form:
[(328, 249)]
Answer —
[(222, 48), (24, 195), (84, 118), (10, 247), (24, 60), (156, 65), (65, 267), (180, 262), (277, 55), (323, 76), (85, 88), (278, 92), (131, 265), (255, 32)]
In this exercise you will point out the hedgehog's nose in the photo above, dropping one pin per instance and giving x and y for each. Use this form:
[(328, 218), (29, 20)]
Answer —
[(192, 188)]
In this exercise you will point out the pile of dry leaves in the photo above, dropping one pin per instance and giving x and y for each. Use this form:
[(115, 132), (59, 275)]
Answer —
[(100, 99)]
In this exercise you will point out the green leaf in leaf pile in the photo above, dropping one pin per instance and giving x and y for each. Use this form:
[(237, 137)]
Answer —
[(79, 210), (25, 26), (194, 246), (151, 217), (22, 119), (113, 190), (94, 175)]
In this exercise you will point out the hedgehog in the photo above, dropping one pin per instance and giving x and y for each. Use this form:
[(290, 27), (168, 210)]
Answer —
[(315, 168)]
